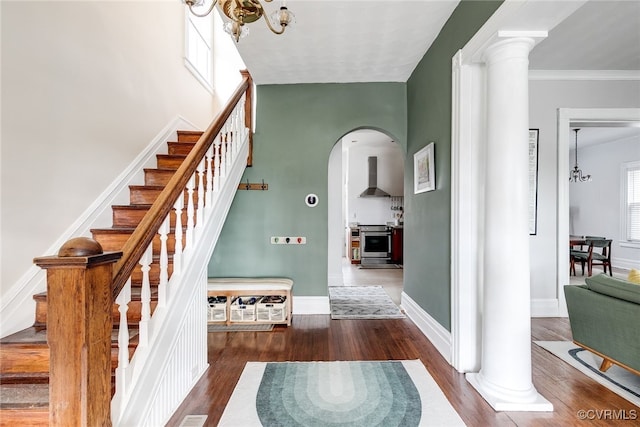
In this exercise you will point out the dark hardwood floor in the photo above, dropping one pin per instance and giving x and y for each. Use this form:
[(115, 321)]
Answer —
[(318, 337)]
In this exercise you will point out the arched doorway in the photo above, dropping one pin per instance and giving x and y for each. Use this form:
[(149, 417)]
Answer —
[(348, 174)]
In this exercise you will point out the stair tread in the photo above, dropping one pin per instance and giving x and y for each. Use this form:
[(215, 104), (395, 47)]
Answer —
[(24, 396), (148, 187), (29, 335), (135, 293), (121, 229), (136, 206), (182, 156), (36, 337)]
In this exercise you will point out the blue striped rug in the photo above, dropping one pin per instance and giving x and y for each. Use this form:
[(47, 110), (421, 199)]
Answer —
[(341, 394)]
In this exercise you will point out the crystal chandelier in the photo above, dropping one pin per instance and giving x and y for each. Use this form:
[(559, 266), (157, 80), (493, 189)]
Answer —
[(576, 173), (245, 12)]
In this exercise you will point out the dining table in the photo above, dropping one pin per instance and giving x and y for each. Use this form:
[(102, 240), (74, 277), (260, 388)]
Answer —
[(577, 241)]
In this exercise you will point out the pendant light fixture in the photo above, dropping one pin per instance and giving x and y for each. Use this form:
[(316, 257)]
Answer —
[(242, 12), (576, 173)]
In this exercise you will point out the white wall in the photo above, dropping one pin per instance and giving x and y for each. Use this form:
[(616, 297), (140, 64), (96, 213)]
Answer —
[(546, 97), (373, 210), (594, 207), (85, 87)]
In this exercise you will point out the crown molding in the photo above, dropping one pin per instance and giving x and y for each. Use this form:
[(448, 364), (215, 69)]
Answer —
[(584, 74)]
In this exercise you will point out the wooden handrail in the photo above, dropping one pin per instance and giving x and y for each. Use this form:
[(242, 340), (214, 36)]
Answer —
[(143, 235)]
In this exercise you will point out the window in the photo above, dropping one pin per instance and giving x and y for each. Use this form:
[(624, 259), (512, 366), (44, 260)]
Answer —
[(631, 202), (199, 47)]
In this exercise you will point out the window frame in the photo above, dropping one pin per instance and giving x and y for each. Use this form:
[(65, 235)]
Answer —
[(624, 204), (204, 76)]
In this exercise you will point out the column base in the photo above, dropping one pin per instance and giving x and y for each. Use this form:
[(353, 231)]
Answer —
[(534, 402)]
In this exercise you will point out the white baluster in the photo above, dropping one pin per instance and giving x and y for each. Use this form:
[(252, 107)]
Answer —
[(177, 253), (223, 154), (145, 296), (123, 339), (227, 156), (164, 230), (209, 187), (190, 212), (200, 211), (216, 165)]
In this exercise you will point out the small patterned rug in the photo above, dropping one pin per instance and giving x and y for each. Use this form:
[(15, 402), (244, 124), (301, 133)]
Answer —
[(362, 302), (622, 382), (341, 394)]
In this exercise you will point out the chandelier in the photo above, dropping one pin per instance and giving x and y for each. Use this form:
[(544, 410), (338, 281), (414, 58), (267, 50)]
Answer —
[(245, 12), (576, 173)]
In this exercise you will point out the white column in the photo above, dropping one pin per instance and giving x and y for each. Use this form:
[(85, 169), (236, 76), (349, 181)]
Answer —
[(505, 379)]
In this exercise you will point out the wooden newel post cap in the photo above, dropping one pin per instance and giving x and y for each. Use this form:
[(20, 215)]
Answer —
[(80, 247)]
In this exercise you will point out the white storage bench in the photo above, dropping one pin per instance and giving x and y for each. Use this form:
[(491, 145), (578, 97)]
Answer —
[(265, 309)]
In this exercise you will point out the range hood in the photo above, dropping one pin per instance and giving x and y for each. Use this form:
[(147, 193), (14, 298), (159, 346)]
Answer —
[(373, 190)]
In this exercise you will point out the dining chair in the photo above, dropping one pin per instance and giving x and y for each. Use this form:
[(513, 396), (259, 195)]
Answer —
[(598, 253)]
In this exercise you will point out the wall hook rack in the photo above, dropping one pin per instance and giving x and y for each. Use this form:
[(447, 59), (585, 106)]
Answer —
[(253, 186)]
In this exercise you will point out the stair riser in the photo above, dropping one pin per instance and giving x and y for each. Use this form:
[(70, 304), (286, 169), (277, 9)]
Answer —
[(157, 176), (36, 360), (162, 176), (189, 136), (154, 273), (125, 216), (134, 314), (169, 161), (180, 148), (24, 417), (148, 195), (20, 358), (111, 241)]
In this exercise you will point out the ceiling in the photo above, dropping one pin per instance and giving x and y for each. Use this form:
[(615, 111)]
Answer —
[(383, 41), (345, 41)]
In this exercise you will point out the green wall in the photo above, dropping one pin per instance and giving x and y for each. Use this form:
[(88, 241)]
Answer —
[(427, 254), (297, 127), (296, 130)]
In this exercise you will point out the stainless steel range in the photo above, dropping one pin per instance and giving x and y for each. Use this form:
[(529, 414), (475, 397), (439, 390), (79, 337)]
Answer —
[(375, 241)]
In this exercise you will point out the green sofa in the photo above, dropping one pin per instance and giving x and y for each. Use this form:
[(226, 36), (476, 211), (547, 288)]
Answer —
[(605, 319)]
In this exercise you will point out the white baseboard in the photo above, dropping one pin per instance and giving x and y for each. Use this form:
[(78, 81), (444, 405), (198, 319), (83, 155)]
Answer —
[(311, 305), (544, 308), (434, 331), (17, 308), (625, 264)]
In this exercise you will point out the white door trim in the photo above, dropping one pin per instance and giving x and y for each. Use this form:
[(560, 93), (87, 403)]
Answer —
[(565, 117)]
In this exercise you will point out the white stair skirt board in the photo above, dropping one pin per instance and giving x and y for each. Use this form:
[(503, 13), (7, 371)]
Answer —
[(529, 401)]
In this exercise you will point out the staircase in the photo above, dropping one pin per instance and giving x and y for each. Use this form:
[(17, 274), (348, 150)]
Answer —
[(179, 299), (24, 356)]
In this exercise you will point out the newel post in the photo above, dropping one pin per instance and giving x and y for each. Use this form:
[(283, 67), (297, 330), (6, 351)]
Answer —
[(79, 325)]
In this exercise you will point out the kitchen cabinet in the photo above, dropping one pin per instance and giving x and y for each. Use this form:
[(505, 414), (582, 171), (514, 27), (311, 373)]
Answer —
[(354, 245), (396, 245)]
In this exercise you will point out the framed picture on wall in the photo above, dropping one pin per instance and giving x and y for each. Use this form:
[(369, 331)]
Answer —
[(424, 169), (533, 181)]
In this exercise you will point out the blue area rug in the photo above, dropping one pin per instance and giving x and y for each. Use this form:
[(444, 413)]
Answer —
[(345, 394)]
